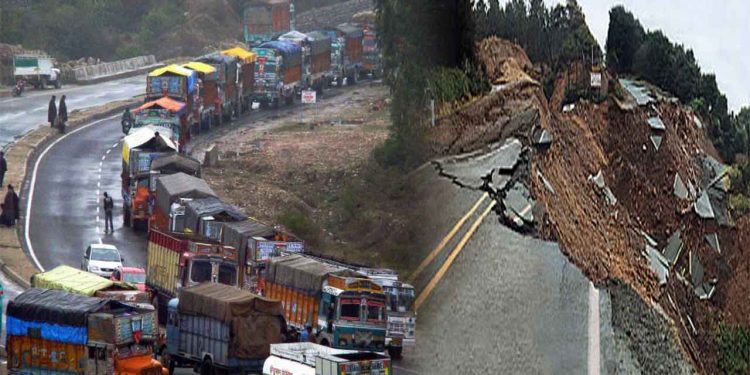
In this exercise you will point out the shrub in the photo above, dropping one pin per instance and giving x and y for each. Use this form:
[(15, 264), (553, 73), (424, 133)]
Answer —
[(449, 84), (734, 349), (739, 203), (300, 224)]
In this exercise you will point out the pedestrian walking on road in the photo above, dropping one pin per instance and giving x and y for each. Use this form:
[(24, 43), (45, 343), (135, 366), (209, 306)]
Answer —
[(52, 112), (10, 208), (109, 205), (3, 167)]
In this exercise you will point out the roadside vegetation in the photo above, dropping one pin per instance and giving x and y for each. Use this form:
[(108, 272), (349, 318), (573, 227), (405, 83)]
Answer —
[(117, 29)]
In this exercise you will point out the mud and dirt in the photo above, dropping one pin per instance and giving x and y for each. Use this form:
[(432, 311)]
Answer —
[(317, 165), (602, 238)]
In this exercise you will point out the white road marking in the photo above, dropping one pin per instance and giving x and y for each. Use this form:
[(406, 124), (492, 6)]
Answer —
[(98, 185), (594, 349), (97, 210), (97, 218), (100, 164), (103, 157), (107, 153), (100, 240), (33, 183), (115, 145)]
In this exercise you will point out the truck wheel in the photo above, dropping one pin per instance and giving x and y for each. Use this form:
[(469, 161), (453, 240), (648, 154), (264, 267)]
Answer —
[(126, 217), (207, 367), (43, 83), (394, 352), (57, 84), (289, 100), (325, 342)]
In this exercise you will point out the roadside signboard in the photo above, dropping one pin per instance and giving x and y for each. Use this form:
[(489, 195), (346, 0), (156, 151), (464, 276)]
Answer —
[(596, 79), (309, 97)]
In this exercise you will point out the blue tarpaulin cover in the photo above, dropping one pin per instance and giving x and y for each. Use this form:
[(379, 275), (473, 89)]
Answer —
[(52, 332), (291, 52)]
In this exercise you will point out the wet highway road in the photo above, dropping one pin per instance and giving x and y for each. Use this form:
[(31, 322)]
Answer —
[(23, 114), (66, 214)]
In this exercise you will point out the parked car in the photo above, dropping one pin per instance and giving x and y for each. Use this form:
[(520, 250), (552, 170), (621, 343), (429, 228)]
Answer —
[(101, 259), (132, 275)]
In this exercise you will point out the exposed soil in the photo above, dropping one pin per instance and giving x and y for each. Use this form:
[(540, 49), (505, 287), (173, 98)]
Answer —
[(319, 165), (604, 239)]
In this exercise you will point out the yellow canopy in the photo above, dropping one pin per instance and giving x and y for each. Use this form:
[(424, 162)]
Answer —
[(174, 69), (245, 55), (72, 280), (200, 67)]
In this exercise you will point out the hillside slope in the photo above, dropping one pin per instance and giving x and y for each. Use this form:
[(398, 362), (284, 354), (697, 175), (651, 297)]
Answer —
[(605, 187)]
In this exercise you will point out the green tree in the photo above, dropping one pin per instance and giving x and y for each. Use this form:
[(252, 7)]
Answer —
[(624, 37)]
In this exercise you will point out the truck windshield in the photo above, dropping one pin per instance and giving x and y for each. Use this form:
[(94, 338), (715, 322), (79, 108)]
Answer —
[(399, 299), (375, 311), (200, 271), (228, 274), (350, 309)]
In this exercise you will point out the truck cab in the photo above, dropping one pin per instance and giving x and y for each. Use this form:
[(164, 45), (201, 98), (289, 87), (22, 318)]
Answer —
[(352, 314)]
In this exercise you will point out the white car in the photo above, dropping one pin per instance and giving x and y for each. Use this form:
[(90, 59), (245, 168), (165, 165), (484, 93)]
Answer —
[(101, 259)]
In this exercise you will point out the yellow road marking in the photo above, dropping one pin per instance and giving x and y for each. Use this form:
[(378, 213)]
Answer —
[(445, 240), (444, 268)]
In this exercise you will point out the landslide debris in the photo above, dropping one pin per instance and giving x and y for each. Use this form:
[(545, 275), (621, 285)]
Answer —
[(623, 188)]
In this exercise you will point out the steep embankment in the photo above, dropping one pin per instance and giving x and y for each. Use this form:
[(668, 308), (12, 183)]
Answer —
[(605, 186)]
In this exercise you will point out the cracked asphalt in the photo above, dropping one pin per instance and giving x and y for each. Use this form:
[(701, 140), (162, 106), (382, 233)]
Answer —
[(508, 304)]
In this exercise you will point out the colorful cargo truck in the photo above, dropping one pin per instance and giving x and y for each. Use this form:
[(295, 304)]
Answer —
[(278, 72), (56, 332), (316, 57), (346, 310), (264, 20), (256, 244), (346, 53), (400, 312), (206, 93), (222, 329), (227, 84), (247, 75), (178, 83), (139, 149), (179, 260), (306, 358)]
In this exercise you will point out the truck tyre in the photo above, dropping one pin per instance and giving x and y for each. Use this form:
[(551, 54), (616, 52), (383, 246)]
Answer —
[(207, 367), (57, 84), (289, 100), (394, 352), (43, 83), (325, 342), (126, 216)]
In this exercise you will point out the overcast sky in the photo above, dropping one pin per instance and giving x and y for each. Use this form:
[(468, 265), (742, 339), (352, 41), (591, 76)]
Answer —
[(718, 32)]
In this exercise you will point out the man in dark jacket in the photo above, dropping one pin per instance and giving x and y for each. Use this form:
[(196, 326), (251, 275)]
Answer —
[(10, 208), (3, 167), (63, 112), (52, 112), (109, 205)]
